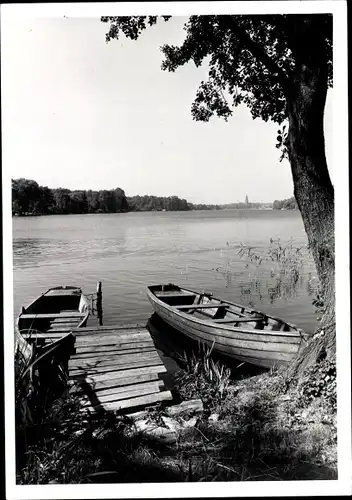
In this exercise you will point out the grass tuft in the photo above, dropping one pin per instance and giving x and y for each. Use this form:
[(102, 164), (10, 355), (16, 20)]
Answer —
[(203, 378)]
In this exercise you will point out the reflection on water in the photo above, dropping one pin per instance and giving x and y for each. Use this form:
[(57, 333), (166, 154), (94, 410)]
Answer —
[(174, 345), (26, 251), (168, 340), (128, 252), (25, 248)]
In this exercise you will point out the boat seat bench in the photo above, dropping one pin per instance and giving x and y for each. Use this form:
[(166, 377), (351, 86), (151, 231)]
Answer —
[(173, 295), (210, 306), (54, 315), (202, 306), (241, 319), (238, 320)]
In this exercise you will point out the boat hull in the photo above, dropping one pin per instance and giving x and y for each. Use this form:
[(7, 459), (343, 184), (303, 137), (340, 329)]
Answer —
[(261, 348), (57, 309)]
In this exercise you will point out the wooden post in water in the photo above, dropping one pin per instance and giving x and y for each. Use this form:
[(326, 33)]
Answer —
[(99, 303)]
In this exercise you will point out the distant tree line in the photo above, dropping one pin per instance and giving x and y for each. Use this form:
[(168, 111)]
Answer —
[(30, 198), (287, 204), (241, 205), (157, 203), (202, 206)]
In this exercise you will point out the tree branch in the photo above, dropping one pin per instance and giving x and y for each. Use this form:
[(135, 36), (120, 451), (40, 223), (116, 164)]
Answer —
[(259, 53)]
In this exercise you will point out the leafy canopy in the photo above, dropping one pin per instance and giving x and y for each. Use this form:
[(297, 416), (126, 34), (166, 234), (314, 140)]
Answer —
[(252, 59)]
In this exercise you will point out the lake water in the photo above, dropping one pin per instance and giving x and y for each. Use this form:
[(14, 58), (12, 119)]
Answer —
[(127, 252)]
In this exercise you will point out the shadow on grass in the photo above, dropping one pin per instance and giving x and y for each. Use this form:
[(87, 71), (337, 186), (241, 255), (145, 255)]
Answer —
[(252, 452), (243, 445), (71, 447)]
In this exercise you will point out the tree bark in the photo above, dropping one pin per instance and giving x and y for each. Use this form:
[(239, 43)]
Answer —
[(313, 189)]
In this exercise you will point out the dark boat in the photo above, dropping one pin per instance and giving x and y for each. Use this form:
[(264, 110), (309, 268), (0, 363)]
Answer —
[(231, 329), (59, 309)]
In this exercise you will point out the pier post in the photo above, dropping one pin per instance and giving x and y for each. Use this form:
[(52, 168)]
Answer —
[(99, 303)]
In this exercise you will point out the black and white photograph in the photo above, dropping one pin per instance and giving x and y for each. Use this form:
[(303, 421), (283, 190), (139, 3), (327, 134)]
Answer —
[(176, 249)]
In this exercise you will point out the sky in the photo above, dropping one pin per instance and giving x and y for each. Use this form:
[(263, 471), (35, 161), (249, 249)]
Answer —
[(84, 114)]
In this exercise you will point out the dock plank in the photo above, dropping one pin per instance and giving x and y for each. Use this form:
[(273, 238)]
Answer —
[(128, 392), (112, 366), (115, 360), (81, 386), (47, 335), (120, 375), (116, 333), (127, 388), (109, 340), (117, 346), (128, 404), (111, 333), (105, 347), (73, 373), (124, 357), (81, 331), (113, 352)]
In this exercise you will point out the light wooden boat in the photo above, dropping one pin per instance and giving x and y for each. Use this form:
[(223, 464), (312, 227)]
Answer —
[(58, 309), (232, 329)]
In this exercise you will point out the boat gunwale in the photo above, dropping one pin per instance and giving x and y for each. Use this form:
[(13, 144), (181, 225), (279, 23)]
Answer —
[(248, 309), (299, 333), (68, 287)]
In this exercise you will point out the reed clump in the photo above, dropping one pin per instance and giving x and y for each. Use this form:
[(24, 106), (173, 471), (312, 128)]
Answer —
[(202, 377), (40, 378), (282, 264)]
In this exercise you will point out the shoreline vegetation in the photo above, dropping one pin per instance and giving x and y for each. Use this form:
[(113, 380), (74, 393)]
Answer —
[(30, 199), (242, 426)]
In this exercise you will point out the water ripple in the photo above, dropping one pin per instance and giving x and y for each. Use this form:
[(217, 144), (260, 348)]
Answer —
[(198, 250)]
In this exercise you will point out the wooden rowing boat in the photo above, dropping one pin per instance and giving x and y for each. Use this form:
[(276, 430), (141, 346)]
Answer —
[(57, 310), (232, 329)]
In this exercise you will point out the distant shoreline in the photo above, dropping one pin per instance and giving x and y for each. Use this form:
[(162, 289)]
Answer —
[(31, 199), (159, 211)]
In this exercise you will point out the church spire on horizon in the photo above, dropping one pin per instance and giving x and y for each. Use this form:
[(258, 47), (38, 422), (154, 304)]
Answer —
[(246, 200)]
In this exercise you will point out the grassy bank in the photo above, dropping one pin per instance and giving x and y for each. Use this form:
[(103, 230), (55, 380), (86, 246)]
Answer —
[(262, 427)]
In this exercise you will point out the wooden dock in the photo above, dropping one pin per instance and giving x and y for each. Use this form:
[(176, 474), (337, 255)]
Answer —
[(114, 368), (117, 368)]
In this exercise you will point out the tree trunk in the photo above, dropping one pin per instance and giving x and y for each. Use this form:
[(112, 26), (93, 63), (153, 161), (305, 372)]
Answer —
[(312, 185)]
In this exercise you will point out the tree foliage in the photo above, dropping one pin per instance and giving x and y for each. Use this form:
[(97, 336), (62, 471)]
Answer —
[(157, 203), (251, 59), (287, 204)]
